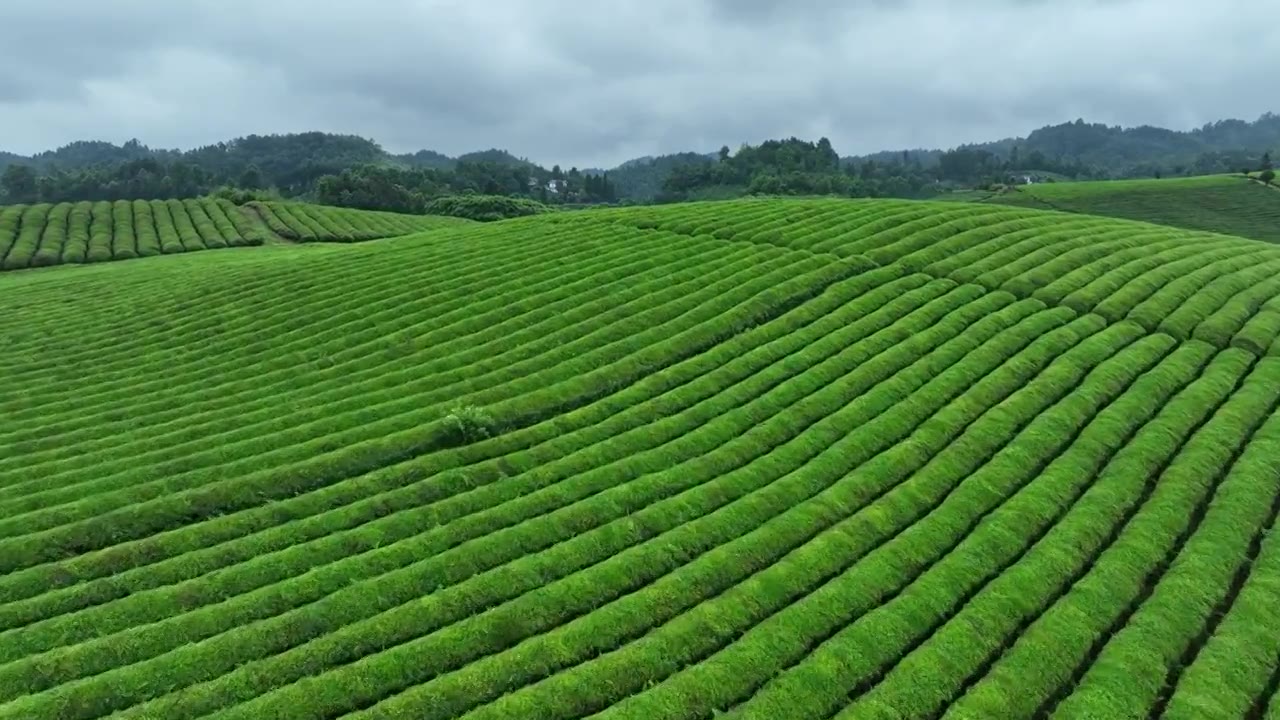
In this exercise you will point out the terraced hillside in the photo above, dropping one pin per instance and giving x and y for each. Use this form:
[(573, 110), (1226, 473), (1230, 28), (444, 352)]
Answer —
[(74, 233), (806, 459), (1227, 204), (305, 222)]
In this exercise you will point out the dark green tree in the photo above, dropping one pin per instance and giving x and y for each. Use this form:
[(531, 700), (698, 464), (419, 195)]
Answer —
[(251, 178), (19, 184)]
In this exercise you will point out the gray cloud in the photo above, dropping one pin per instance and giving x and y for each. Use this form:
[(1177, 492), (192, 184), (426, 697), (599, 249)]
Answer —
[(560, 81)]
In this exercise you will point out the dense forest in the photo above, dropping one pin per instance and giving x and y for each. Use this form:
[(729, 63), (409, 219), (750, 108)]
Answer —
[(1070, 151), (337, 169), (357, 172)]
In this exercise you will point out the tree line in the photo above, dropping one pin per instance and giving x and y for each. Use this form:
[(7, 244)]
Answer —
[(312, 166), (351, 171)]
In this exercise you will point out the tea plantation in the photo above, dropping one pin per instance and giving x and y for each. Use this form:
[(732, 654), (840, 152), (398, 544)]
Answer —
[(74, 233), (761, 459)]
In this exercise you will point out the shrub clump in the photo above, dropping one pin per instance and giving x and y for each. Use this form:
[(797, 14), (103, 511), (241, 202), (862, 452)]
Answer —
[(468, 424), (485, 208)]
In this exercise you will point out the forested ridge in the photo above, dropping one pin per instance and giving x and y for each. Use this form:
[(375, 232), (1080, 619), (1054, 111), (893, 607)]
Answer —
[(357, 172)]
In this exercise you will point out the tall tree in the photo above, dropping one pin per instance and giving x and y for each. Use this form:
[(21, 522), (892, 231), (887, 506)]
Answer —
[(251, 178), (19, 184)]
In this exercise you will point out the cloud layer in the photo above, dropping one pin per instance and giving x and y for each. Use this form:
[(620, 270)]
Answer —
[(592, 85)]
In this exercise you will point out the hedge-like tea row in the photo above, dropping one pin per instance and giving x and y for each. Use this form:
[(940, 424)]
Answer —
[(73, 233), (760, 458), (1166, 279), (318, 223)]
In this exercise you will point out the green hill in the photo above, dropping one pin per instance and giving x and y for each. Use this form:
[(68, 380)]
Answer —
[(1217, 203), (779, 459), (72, 233)]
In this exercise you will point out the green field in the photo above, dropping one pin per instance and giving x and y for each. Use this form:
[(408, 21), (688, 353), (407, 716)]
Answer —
[(86, 232), (766, 458), (1227, 204)]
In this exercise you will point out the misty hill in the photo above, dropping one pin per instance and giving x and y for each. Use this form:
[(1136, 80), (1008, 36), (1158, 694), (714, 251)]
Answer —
[(1098, 151)]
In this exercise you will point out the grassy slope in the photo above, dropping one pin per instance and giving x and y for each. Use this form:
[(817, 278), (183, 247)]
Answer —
[(785, 458), (1216, 203)]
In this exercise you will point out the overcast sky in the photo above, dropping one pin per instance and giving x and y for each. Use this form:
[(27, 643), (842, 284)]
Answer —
[(595, 83)]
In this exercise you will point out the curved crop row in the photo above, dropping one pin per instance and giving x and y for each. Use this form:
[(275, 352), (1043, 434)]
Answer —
[(144, 229), (813, 476), (1037, 542), (85, 232), (642, 272), (10, 221), (1148, 501), (76, 247), (851, 311), (183, 225), (124, 243), (1119, 269), (316, 223), (247, 231), (283, 344), (101, 228), (217, 211), (833, 319), (758, 458), (211, 236), (268, 338), (412, 433), (30, 228), (54, 236), (870, 477), (588, 511)]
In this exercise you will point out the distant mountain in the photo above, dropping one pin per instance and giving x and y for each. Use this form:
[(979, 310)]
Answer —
[(1104, 151)]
